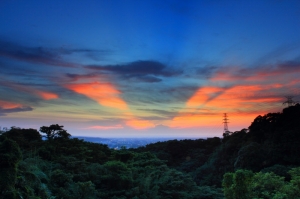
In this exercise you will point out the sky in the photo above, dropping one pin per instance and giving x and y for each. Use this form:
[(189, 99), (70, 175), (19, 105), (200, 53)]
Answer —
[(151, 68)]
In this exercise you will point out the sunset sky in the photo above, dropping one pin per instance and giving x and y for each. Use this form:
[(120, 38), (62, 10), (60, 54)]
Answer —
[(143, 68)]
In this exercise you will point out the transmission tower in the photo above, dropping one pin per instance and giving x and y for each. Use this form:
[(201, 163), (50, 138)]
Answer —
[(225, 121), (289, 101)]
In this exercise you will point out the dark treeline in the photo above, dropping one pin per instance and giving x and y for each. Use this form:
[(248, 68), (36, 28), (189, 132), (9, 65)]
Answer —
[(259, 162)]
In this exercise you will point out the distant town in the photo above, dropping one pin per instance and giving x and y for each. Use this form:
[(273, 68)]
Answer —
[(118, 143)]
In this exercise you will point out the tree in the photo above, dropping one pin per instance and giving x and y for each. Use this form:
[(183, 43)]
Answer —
[(247, 185), (237, 185), (55, 131), (25, 138), (267, 185), (10, 156)]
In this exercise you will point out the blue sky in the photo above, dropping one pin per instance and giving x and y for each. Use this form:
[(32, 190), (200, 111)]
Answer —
[(128, 68)]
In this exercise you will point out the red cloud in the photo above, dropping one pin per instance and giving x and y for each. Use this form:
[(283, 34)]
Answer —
[(47, 95), (103, 93), (240, 101), (9, 105), (203, 95)]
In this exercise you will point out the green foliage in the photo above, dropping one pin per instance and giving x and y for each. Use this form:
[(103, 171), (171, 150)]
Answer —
[(266, 185), (279, 170), (60, 178), (250, 156), (117, 175), (237, 185), (184, 155), (26, 138), (123, 155), (32, 180), (248, 185), (85, 190), (10, 156), (228, 185), (293, 188)]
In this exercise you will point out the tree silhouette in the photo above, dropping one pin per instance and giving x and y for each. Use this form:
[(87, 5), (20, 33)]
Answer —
[(55, 131)]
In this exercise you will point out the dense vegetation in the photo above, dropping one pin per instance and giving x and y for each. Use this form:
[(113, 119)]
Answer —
[(259, 162)]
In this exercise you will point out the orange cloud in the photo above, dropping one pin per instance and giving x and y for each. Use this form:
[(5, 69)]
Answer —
[(47, 95), (258, 92), (267, 99), (238, 93), (103, 93), (239, 101), (240, 120), (9, 105), (240, 98), (203, 95), (194, 120), (107, 95), (139, 124)]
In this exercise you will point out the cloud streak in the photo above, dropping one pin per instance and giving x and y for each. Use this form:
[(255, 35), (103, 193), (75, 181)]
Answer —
[(104, 93), (37, 55), (144, 71), (104, 127), (9, 107), (262, 73), (46, 95)]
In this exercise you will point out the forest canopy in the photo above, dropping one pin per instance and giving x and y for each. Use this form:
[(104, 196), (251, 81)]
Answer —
[(261, 161)]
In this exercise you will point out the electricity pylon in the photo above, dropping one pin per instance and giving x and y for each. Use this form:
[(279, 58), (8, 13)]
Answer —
[(225, 121), (289, 101)]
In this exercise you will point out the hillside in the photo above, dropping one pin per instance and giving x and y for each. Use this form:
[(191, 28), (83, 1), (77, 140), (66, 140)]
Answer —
[(61, 167)]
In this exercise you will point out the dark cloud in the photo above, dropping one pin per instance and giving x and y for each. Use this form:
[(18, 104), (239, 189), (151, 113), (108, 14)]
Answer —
[(282, 68), (264, 73), (275, 54), (44, 55), (12, 69), (82, 50), (290, 66), (149, 79), (75, 77), (38, 55), (97, 55), (207, 71), (147, 71), (4, 111)]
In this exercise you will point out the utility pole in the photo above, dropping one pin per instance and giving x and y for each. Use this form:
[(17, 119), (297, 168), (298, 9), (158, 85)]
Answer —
[(225, 121), (289, 101)]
